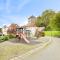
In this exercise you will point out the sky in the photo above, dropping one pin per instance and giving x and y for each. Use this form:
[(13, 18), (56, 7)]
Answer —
[(18, 11)]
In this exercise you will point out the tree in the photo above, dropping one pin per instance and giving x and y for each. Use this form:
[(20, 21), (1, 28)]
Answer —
[(55, 22), (46, 16), (0, 29), (38, 21)]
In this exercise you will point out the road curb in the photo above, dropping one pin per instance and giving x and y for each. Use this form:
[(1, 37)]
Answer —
[(31, 51)]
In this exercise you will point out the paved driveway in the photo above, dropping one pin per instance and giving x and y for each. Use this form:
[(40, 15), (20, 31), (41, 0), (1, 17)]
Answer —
[(52, 52)]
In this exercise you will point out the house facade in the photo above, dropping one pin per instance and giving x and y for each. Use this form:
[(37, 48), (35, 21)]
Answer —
[(12, 28), (4, 30)]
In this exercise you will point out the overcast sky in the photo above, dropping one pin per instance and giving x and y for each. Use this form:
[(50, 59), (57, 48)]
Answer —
[(17, 11)]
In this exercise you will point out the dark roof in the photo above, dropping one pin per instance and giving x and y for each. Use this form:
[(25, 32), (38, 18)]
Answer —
[(32, 17), (20, 28)]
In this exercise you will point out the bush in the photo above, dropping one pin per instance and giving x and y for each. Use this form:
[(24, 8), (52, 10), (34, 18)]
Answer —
[(48, 28), (11, 36), (39, 34), (6, 37), (3, 38)]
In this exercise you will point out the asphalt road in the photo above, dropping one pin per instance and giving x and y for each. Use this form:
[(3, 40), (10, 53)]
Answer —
[(51, 52)]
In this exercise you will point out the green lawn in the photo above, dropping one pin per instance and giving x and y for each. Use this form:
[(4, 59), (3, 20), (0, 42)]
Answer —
[(8, 51), (52, 33)]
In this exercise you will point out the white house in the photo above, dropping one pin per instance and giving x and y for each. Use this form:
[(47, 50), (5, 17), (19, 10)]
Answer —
[(4, 30), (34, 29)]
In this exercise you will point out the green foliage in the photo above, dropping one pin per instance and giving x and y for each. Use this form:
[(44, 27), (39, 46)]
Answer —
[(38, 21), (6, 37), (48, 28), (0, 29), (50, 20), (45, 18), (55, 22), (52, 33), (3, 38), (11, 36), (39, 34)]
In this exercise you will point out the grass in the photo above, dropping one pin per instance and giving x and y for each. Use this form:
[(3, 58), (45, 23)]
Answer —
[(7, 51), (52, 33)]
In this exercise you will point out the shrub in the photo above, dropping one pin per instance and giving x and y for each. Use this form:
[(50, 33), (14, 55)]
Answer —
[(6, 37), (11, 36), (3, 38), (39, 34)]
